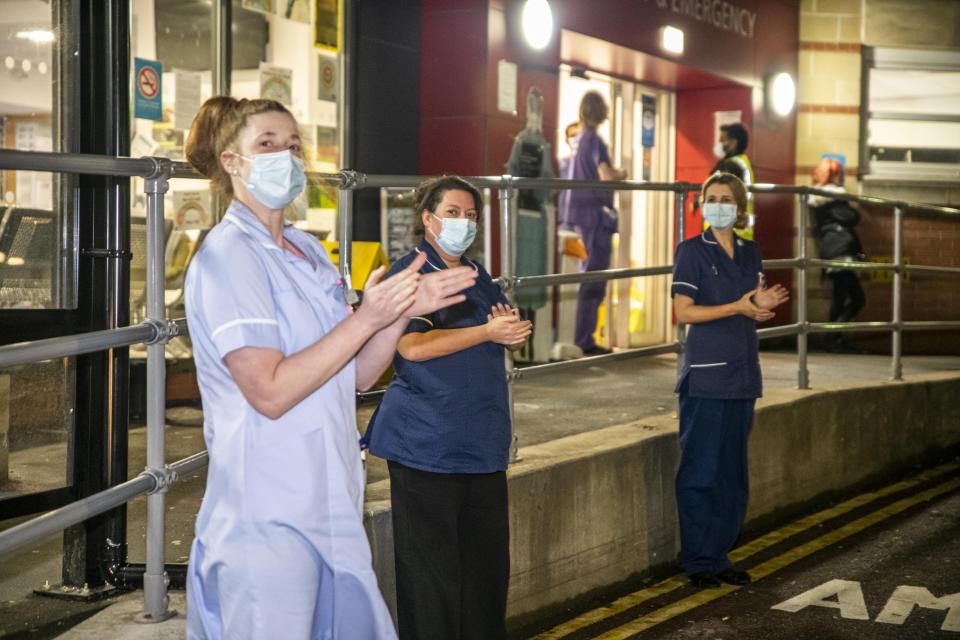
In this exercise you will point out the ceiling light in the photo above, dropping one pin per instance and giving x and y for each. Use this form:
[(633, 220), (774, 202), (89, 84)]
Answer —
[(9, 62), (26, 65), (537, 22), (36, 35), (42, 68), (671, 39)]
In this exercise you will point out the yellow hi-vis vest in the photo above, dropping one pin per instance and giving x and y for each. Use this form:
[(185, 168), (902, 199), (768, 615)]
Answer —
[(747, 176)]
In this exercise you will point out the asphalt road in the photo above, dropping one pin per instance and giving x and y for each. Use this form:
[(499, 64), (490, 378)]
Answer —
[(882, 566)]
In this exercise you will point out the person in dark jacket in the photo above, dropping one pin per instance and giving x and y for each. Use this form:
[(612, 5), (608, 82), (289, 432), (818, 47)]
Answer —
[(834, 224)]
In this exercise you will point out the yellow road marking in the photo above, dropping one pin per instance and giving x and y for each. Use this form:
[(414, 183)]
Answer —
[(755, 546), (779, 562)]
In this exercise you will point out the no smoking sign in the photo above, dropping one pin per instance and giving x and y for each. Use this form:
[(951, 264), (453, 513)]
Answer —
[(148, 83), (147, 102)]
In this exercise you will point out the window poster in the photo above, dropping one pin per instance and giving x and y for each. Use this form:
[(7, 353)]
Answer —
[(328, 78), (276, 83), (399, 228), (261, 6), (326, 24), (298, 10), (186, 90), (192, 210)]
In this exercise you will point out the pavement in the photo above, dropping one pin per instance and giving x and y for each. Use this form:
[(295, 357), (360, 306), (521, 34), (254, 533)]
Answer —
[(547, 408)]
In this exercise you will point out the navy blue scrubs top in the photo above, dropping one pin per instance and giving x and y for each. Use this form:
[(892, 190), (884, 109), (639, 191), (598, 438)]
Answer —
[(448, 414), (721, 359)]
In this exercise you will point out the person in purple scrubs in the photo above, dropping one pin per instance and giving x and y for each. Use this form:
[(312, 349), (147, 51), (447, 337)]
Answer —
[(591, 214)]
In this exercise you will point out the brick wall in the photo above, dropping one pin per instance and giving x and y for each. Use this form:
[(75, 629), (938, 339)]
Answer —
[(928, 240), (831, 35)]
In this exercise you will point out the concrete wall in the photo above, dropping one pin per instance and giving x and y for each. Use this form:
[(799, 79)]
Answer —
[(595, 509)]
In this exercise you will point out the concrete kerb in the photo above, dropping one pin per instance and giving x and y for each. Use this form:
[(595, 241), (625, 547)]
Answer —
[(598, 508)]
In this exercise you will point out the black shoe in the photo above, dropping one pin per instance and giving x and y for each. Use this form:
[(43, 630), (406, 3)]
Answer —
[(596, 351), (732, 576), (704, 580)]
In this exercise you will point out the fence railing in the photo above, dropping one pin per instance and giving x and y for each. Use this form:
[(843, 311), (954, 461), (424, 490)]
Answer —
[(156, 330)]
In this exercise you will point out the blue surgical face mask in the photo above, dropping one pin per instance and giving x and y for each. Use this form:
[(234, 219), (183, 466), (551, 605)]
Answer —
[(456, 234), (276, 179), (720, 215)]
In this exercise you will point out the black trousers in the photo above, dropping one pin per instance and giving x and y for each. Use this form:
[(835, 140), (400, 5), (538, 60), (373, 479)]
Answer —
[(848, 298), (451, 542)]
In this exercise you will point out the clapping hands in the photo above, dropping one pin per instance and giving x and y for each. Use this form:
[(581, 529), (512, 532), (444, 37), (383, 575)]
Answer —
[(409, 294), (759, 303), (505, 327)]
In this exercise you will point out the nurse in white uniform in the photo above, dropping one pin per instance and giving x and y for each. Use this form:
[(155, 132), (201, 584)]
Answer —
[(280, 548)]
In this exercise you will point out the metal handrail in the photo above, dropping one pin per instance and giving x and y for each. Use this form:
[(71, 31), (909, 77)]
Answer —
[(157, 330), (77, 344), (76, 512)]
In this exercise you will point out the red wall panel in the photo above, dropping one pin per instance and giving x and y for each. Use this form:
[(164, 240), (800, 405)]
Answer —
[(463, 131)]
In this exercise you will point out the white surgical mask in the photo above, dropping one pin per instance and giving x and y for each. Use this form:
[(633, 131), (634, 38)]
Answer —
[(720, 215), (456, 234), (719, 151), (276, 178)]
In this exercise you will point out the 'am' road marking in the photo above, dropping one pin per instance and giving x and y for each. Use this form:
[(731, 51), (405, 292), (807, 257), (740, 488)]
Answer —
[(779, 562), (740, 553)]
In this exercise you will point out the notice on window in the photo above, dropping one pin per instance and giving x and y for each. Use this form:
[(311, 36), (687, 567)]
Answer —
[(507, 86), (329, 79), (262, 6), (147, 103), (298, 10), (186, 88), (648, 120), (398, 223), (191, 210), (276, 83), (326, 26)]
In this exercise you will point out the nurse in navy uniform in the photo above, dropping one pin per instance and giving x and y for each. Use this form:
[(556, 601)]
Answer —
[(718, 290), (444, 429)]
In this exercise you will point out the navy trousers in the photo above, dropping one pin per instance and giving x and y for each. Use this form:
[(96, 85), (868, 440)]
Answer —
[(598, 242), (712, 481)]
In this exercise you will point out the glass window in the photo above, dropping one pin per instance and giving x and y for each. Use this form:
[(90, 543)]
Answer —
[(911, 115), (36, 418), (273, 55), (29, 223)]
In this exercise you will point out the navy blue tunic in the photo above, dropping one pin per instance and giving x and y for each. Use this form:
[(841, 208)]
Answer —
[(721, 359), (448, 414)]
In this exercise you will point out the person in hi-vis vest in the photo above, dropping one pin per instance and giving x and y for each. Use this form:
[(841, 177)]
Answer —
[(731, 151)]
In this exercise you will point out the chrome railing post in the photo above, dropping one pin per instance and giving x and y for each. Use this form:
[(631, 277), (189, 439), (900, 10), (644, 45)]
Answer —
[(345, 225), (897, 345), (508, 263), (681, 225), (155, 579), (803, 374)]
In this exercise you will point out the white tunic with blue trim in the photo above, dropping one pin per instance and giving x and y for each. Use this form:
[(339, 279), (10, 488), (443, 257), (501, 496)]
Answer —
[(280, 548)]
